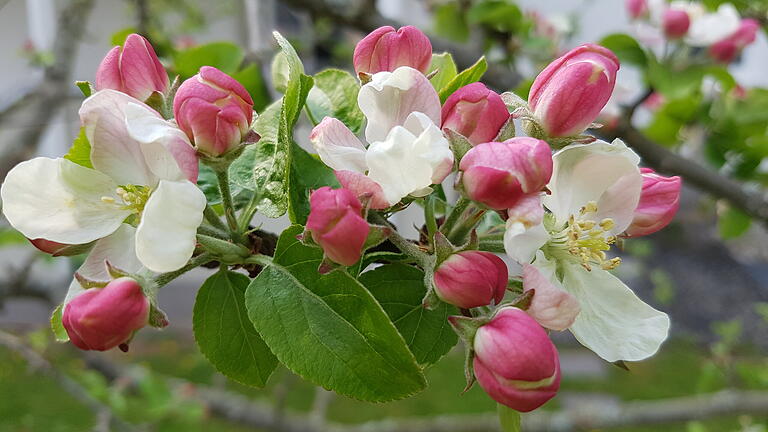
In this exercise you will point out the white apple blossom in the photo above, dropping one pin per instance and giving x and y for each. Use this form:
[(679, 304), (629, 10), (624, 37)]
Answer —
[(710, 27), (407, 151), (143, 173), (595, 189)]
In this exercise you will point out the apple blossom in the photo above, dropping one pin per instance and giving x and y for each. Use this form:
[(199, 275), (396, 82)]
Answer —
[(214, 110), (658, 204), (726, 50), (550, 306), (637, 8), (498, 175), (568, 95), (515, 361), (475, 112), (103, 318), (385, 49), (336, 224), (471, 279), (143, 167), (133, 69), (595, 189), (676, 23), (709, 27), (407, 152)]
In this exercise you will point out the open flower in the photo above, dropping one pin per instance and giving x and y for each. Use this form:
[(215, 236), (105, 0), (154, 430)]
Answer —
[(706, 28), (143, 173), (595, 189), (407, 151)]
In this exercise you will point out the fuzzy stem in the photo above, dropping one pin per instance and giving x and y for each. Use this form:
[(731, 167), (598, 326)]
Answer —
[(165, 278), (226, 200)]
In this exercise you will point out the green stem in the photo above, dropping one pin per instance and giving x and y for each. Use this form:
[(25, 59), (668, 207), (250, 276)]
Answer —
[(213, 218), (429, 217), (311, 116), (226, 200), (165, 278), (247, 213), (405, 245), (455, 215), (470, 218), (213, 232), (262, 260)]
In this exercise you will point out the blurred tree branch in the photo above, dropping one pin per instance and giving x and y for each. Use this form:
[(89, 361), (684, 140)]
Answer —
[(29, 115)]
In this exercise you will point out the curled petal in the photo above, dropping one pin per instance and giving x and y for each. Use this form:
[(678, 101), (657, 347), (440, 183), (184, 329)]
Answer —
[(391, 97), (552, 307), (165, 237), (58, 200), (521, 241), (337, 146), (362, 186)]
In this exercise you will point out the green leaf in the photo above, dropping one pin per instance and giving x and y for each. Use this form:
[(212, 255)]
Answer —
[(732, 223), (329, 329), (253, 80), (508, 418), (446, 70), (298, 84), (119, 37), (450, 22), (626, 49), (467, 76), (80, 152), (400, 289), (307, 174), (224, 333), (501, 15), (59, 332), (335, 95), (268, 164), (673, 83), (224, 56)]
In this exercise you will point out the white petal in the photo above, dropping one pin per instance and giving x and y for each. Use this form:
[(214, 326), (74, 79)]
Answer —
[(595, 172), (113, 151), (338, 147), (118, 248), (614, 322), (709, 28), (167, 151), (395, 165), (61, 201), (432, 145), (521, 241), (165, 238), (390, 97)]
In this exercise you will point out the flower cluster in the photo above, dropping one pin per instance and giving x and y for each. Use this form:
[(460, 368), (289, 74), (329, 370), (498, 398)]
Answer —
[(722, 32), (563, 211), (130, 198)]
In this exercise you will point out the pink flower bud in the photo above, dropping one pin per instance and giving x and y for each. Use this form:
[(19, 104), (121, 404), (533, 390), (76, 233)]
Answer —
[(336, 224), (471, 279), (726, 50), (569, 94), (675, 23), (103, 318), (515, 362), (475, 112), (499, 174), (133, 69), (551, 307), (637, 8), (214, 110), (658, 204), (385, 49)]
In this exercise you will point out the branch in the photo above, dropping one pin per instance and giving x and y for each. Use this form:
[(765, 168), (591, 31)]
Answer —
[(30, 115), (240, 409), (364, 17), (751, 202)]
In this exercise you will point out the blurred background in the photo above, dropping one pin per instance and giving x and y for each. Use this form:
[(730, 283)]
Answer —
[(708, 270)]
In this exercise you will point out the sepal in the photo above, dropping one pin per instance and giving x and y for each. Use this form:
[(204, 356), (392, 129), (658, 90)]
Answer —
[(459, 144)]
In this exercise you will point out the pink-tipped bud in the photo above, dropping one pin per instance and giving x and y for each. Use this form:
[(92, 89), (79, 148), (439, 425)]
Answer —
[(637, 8), (515, 361), (658, 204), (471, 279), (675, 23), (551, 307), (499, 174), (337, 225), (568, 95), (475, 112), (214, 110), (726, 50), (133, 69), (386, 49), (103, 318)]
